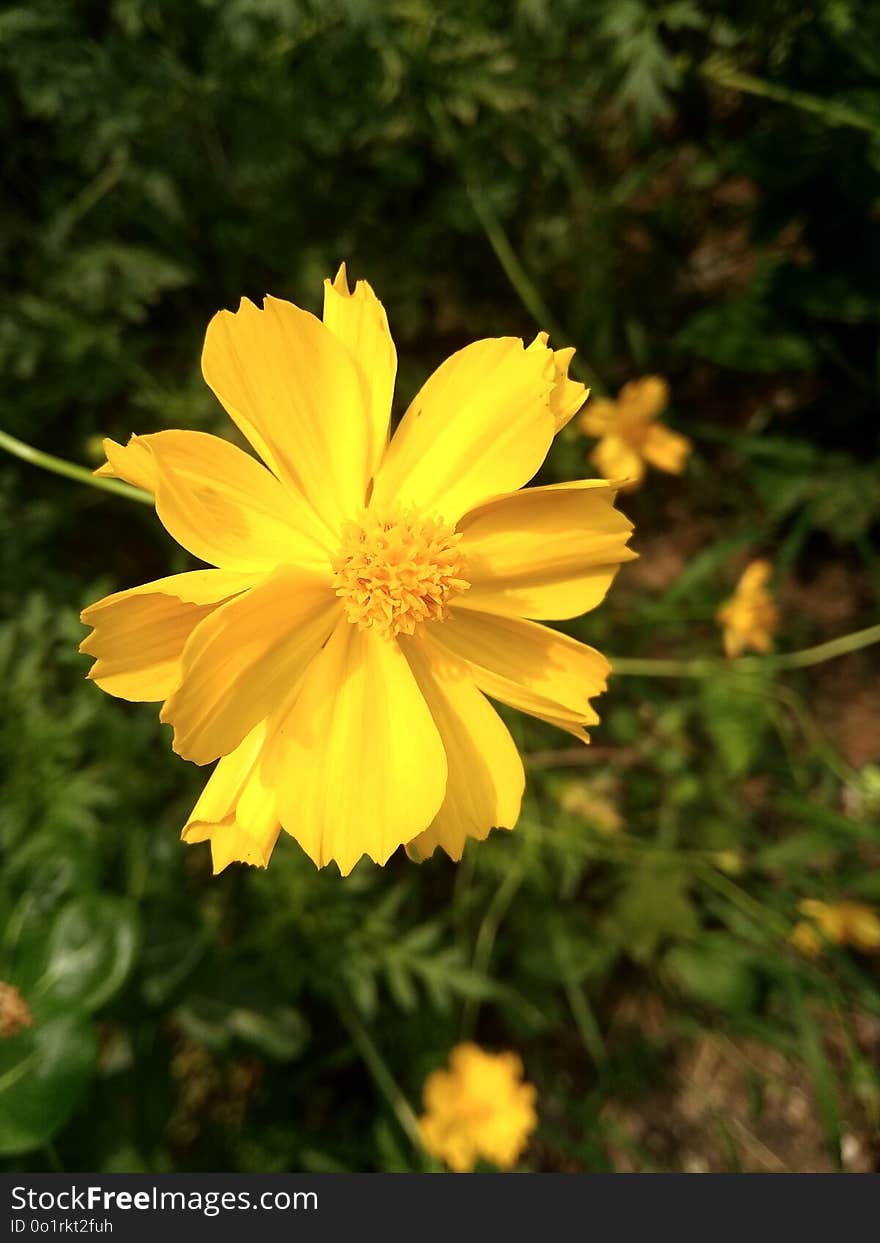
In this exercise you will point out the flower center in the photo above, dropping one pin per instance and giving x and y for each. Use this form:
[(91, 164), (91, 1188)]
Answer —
[(396, 570)]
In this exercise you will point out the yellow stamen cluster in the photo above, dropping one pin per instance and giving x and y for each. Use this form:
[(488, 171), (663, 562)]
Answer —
[(396, 570)]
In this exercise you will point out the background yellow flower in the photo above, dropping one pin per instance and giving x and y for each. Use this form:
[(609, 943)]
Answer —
[(842, 923), (630, 434), (750, 617), (478, 1109)]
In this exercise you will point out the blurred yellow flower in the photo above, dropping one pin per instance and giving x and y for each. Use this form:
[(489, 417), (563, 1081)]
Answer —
[(591, 801), (479, 1109), (729, 861), (630, 434), (842, 923), (15, 1012), (369, 593), (750, 617)]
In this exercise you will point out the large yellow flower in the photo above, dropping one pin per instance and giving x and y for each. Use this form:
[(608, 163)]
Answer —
[(478, 1109), (631, 434), (367, 594)]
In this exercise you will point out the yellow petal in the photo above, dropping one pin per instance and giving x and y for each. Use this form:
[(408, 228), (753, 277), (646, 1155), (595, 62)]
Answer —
[(616, 459), (360, 765), (236, 810), (544, 552), (750, 617), (567, 396), (220, 504), (480, 425), (665, 449), (298, 396), (242, 662), (139, 635), (598, 417), (754, 576), (527, 666), (735, 642), (566, 724), (358, 319), (830, 918), (806, 939), (862, 926), (485, 784), (132, 462), (645, 398)]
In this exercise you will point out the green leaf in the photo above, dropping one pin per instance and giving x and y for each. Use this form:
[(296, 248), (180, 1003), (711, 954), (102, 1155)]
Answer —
[(86, 957), (747, 334), (652, 906), (174, 944), (715, 972), (43, 1074), (278, 1031), (798, 850), (47, 869), (821, 1071), (735, 717)]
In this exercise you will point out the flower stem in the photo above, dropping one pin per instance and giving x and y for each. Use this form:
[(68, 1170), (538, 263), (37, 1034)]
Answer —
[(525, 288), (485, 939), (706, 667), (70, 470), (720, 71), (58, 466), (382, 1076), (582, 1011)]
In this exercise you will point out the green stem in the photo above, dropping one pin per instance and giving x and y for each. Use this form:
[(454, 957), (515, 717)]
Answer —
[(525, 288), (523, 285), (826, 651), (52, 1158), (90, 195), (587, 1024), (826, 109), (706, 667), (582, 1012), (58, 466), (485, 939), (813, 734), (17, 1071), (382, 1077), (772, 923)]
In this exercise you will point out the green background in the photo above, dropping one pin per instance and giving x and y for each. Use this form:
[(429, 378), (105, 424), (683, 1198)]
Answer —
[(691, 189)]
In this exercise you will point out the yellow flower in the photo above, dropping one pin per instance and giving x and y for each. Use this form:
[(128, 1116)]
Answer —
[(591, 801), (730, 862), (478, 1109), (15, 1012), (840, 923), (630, 434), (862, 926), (750, 616), (806, 939), (367, 594)]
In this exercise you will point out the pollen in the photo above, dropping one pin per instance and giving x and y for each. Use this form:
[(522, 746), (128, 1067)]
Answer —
[(398, 569)]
